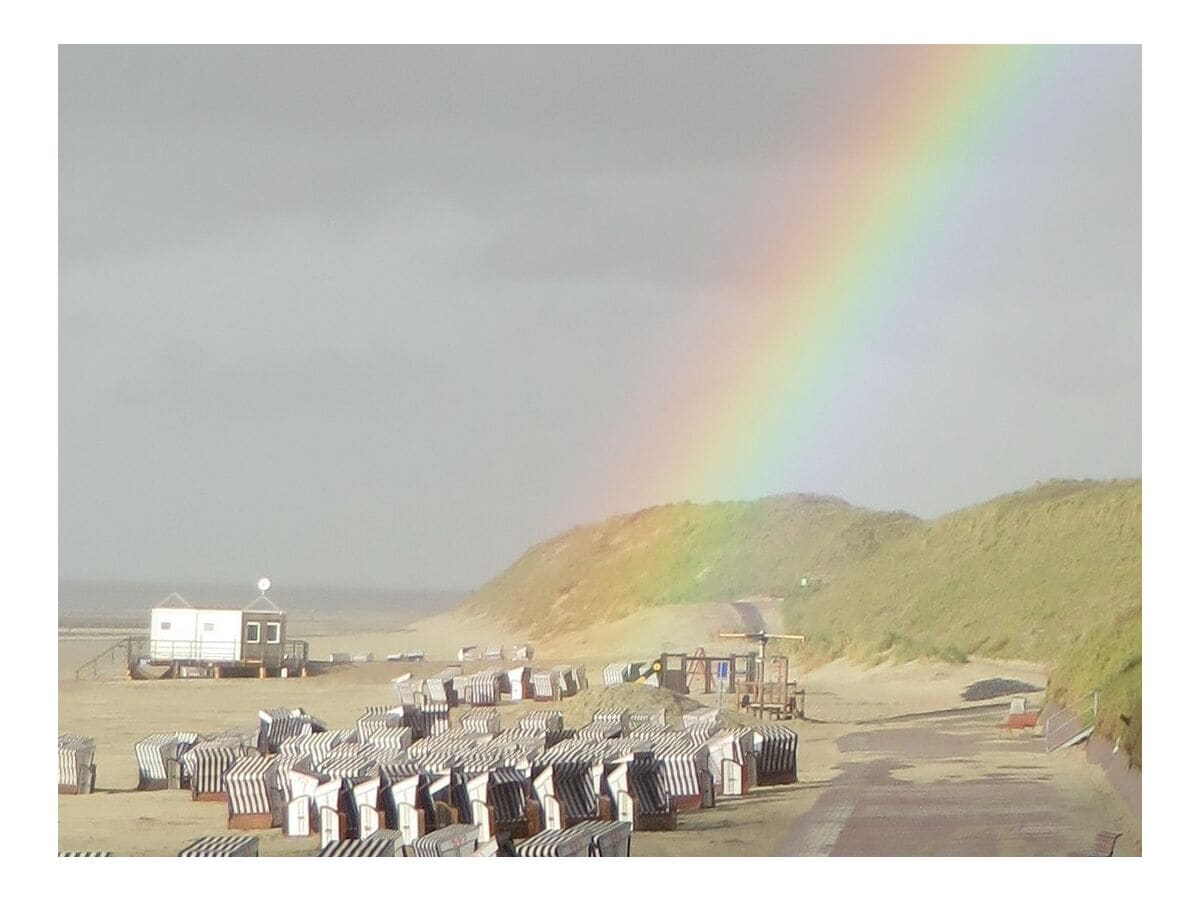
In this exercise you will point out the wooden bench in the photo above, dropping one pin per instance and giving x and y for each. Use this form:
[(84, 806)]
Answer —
[(1019, 721)]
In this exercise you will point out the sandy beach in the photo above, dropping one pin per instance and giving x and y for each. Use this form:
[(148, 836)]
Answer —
[(880, 746)]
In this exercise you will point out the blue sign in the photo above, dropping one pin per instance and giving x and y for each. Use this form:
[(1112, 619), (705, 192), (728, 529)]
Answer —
[(723, 669)]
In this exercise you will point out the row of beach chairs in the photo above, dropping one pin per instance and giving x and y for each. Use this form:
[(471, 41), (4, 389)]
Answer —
[(490, 686), (469, 652), (537, 776), (403, 769)]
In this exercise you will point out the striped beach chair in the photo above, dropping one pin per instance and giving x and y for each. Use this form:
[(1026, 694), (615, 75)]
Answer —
[(458, 685), (254, 796), (356, 847), (517, 683), (567, 842), (350, 761), (519, 739), (567, 678), (392, 741), (654, 717), (407, 804), (775, 754), (391, 838), (85, 853), (203, 766), (614, 674), (278, 724), (547, 686), (542, 722), (366, 806), (430, 720), (376, 720), (468, 653), (407, 690), (490, 847), (157, 758), (483, 688), (599, 731), (639, 787), (701, 718), (686, 771), (510, 800), (569, 791), (206, 765), (314, 746), (618, 715), (606, 838), (76, 764), (439, 688), (481, 721), (732, 761), (458, 839), (334, 811), (300, 818), (222, 845)]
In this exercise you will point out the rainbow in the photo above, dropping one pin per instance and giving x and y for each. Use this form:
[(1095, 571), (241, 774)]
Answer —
[(778, 355)]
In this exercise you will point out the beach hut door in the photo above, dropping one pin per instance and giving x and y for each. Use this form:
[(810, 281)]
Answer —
[(254, 636)]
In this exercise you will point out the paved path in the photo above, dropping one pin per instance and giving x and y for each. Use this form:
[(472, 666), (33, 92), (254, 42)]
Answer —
[(948, 786)]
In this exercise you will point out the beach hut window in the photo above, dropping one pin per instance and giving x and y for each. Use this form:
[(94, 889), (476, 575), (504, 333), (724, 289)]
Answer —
[(272, 632), (252, 632), (164, 626), (209, 626)]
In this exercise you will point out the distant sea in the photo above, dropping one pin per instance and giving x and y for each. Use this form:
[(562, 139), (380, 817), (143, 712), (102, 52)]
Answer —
[(125, 603)]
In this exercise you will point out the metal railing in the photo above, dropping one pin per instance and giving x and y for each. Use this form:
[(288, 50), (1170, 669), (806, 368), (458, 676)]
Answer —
[(160, 650), (131, 650), (1071, 721), (121, 650)]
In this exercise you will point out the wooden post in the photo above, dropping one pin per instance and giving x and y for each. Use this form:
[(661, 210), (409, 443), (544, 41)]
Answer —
[(216, 672), (304, 671), (262, 671)]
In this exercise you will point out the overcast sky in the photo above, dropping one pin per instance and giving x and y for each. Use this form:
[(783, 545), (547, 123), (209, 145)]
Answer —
[(382, 317)]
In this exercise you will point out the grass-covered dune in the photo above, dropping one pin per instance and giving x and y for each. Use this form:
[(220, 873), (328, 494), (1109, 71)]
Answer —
[(1050, 574), (684, 553)]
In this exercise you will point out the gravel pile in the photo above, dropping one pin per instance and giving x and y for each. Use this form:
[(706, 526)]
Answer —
[(991, 688)]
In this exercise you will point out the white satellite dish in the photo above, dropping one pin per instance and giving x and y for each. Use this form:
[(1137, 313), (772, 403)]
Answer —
[(264, 584)]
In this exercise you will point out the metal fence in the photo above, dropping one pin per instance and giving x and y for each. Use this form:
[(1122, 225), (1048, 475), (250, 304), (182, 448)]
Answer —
[(1071, 721)]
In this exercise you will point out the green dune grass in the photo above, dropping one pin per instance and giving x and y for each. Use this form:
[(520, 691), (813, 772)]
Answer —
[(1051, 574)]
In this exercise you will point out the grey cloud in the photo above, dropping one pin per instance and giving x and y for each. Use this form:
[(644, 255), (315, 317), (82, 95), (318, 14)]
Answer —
[(388, 315)]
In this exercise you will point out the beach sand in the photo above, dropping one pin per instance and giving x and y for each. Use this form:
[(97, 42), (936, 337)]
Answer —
[(864, 775)]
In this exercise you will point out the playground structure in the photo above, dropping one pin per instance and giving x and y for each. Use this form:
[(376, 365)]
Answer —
[(768, 690), (760, 684), (771, 693)]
